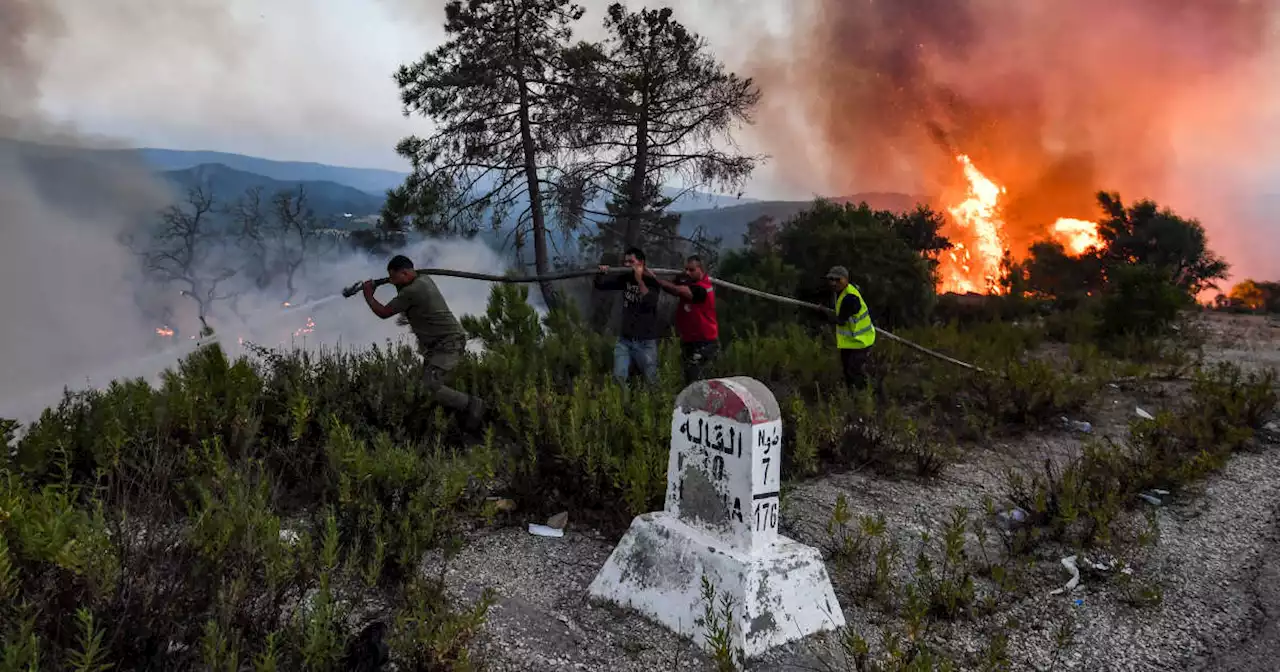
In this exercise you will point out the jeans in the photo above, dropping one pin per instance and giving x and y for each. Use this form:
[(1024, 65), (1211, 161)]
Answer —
[(643, 353)]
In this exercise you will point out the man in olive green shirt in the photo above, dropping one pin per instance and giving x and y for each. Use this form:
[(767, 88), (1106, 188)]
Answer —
[(440, 337)]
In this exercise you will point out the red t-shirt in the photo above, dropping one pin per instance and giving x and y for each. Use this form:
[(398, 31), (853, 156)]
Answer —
[(696, 319)]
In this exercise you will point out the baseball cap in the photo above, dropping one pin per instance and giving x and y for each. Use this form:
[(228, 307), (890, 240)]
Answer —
[(838, 272)]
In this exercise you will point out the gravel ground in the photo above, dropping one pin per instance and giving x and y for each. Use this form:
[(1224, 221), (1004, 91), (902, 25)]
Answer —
[(1210, 563), (1215, 565)]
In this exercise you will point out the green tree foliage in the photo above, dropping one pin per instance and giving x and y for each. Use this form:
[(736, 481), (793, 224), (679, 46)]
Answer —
[(889, 257), (493, 91), (655, 105), (658, 231), (1144, 233), (1142, 301), (1051, 272), (897, 280), (762, 269), (1150, 265)]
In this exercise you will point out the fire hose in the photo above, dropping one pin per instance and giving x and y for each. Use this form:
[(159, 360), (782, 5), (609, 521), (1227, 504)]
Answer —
[(583, 273)]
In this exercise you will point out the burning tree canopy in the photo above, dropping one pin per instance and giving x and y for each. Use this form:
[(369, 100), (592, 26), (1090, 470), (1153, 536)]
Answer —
[(1010, 115)]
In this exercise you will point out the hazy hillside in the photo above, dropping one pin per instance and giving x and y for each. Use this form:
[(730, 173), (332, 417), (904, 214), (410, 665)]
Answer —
[(328, 199), (336, 191), (76, 181), (730, 224), (372, 180)]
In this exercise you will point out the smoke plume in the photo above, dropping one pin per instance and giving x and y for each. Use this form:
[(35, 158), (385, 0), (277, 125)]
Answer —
[(1166, 99)]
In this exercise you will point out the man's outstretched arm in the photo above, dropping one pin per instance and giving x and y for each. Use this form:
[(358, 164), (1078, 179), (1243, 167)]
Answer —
[(376, 306), (672, 288)]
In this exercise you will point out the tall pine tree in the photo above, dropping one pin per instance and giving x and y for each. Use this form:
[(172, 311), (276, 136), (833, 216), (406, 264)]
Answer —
[(656, 107), (492, 92)]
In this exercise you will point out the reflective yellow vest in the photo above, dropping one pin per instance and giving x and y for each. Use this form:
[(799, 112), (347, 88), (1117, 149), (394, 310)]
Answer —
[(857, 333)]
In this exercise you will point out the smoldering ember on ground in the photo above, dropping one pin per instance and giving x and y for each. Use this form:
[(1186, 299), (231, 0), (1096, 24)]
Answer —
[(1062, 455)]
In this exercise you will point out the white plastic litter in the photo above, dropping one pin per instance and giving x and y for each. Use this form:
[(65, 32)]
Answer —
[(1070, 563), (1011, 518), (544, 530), (1143, 414), (1077, 425)]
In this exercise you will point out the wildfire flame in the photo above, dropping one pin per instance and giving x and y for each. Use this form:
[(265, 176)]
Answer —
[(164, 331), (309, 328), (1077, 235), (978, 217), (973, 264)]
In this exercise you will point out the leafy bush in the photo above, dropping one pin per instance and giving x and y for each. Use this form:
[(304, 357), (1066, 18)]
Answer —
[(887, 255), (1142, 302)]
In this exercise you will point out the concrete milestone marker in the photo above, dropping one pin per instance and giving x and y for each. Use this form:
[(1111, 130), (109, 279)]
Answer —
[(721, 521)]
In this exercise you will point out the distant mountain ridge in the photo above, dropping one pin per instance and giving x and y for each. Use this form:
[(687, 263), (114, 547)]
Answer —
[(335, 191), (328, 199), (370, 180)]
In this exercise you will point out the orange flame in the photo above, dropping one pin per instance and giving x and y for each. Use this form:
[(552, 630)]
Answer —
[(978, 234), (1077, 235), (309, 328), (978, 218), (164, 331)]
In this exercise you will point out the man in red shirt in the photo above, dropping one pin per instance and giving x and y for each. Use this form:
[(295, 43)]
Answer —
[(695, 318)]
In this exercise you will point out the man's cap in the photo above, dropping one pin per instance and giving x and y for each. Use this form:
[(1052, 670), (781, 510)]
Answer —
[(838, 272)]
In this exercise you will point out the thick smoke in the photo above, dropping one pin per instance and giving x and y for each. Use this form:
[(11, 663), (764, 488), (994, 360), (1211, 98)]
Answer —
[(1054, 100), (74, 293)]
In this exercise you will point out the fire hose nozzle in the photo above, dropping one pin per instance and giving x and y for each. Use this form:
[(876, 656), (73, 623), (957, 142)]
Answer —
[(355, 289), (352, 290)]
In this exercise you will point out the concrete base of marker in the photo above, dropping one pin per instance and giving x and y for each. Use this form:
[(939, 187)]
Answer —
[(779, 595)]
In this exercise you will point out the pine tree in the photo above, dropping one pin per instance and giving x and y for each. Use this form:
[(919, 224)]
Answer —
[(493, 92)]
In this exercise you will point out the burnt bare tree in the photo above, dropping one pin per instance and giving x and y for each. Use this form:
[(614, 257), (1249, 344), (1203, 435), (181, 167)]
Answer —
[(249, 217), (280, 237), (183, 251), (494, 93), (656, 107)]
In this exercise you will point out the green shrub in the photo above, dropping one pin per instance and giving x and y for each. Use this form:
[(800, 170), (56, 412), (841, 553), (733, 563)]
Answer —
[(428, 634), (1082, 497), (1140, 302)]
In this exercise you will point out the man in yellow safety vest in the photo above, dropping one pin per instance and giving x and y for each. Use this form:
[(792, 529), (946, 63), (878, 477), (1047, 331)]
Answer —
[(854, 332)]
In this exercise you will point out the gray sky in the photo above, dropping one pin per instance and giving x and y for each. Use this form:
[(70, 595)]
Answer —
[(290, 79)]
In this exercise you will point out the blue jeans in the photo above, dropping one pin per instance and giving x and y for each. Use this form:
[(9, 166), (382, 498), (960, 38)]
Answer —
[(643, 353)]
